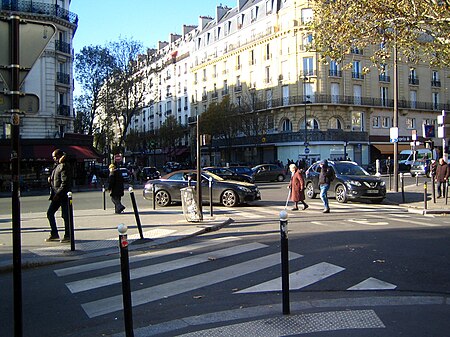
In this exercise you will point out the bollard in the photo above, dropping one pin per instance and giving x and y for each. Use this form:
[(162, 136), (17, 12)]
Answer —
[(417, 180), (425, 195), (390, 178), (71, 224), (377, 167), (210, 197), (284, 262), (154, 196), (433, 185), (125, 273), (403, 187), (446, 191), (136, 212), (104, 197)]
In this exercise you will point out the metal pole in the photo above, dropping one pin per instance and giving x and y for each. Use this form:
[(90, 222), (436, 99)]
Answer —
[(433, 184), (15, 171), (284, 262), (71, 224), (199, 173), (210, 197), (136, 212), (446, 191), (425, 195), (403, 187), (395, 85), (104, 197), (125, 273)]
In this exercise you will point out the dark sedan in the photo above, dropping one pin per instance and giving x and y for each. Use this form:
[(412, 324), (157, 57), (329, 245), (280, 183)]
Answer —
[(268, 172), (228, 193), (351, 182), (228, 174), (150, 173)]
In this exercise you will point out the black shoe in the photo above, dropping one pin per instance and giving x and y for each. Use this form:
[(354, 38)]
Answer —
[(294, 209), (65, 239), (439, 197), (52, 238), (305, 206), (326, 210)]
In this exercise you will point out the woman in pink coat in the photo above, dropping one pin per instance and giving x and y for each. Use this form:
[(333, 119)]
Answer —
[(297, 186)]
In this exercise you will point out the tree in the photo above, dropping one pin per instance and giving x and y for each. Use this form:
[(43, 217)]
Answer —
[(127, 83), (92, 66), (419, 29), (171, 132)]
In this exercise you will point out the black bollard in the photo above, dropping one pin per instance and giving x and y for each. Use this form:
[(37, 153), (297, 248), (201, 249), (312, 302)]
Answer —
[(136, 212), (433, 185), (104, 197), (390, 178), (71, 224), (154, 196), (403, 187), (125, 273), (210, 197), (446, 191), (425, 195), (284, 262)]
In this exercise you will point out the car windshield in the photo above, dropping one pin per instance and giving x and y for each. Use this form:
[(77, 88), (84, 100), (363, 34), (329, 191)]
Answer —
[(214, 176), (403, 156), (350, 169)]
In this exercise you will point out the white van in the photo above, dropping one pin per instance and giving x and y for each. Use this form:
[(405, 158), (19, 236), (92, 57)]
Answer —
[(406, 157)]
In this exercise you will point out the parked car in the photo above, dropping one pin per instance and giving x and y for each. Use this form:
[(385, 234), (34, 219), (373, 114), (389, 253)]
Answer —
[(228, 174), (268, 172), (420, 168), (171, 166), (150, 173), (241, 169), (351, 182), (226, 192), (125, 174)]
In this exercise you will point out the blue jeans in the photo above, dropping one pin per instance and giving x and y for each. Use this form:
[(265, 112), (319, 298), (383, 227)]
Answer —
[(323, 195)]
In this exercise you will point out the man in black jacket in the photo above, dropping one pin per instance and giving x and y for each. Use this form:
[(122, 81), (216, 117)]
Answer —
[(326, 176), (60, 183), (115, 188)]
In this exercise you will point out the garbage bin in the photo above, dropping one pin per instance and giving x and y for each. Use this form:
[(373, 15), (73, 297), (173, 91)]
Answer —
[(189, 205)]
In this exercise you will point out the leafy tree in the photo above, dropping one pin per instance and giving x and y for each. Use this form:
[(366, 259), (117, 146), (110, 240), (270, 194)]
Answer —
[(127, 83), (171, 132), (92, 66), (419, 29)]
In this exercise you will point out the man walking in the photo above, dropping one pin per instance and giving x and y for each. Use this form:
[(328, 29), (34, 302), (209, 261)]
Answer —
[(60, 183), (325, 178), (115, 188), (442, 174)]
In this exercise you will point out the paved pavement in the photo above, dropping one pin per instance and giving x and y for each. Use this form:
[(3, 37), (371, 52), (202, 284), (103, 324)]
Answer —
[(97, 235)]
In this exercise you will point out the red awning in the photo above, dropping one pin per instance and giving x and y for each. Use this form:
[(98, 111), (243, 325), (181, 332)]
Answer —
[(44, 152), (81, 153)]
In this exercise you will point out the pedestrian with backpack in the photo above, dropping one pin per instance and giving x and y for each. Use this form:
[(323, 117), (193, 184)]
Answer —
[(326, 176)]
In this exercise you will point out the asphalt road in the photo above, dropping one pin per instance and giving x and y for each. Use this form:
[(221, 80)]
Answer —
[(378, 264)]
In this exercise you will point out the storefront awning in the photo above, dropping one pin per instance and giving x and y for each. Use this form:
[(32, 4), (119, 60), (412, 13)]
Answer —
[(44, 152), (389, 148)]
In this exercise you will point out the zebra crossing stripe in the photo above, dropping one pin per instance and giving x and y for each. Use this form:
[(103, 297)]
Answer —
[(145, 256), (113, 278), (114, 303), (410, 221), (373, 284), (299, 279)]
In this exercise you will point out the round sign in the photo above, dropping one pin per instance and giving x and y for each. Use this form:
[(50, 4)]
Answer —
[(307, 150), (118, 157)]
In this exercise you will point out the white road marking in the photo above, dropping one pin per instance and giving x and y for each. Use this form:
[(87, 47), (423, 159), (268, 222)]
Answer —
[(373, 284)]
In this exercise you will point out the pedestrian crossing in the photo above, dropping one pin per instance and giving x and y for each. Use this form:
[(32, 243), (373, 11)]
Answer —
[(216, 260)]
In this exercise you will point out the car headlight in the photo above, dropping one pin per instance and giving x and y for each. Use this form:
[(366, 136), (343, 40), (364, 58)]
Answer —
[(353, 182), (382, 183), (245, 189), (148, 186)]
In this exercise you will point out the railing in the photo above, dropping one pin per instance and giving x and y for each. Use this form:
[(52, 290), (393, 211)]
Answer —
[(38, 8), (62, 78), (435, 83), (64, 110), (62, 46), (413, 80), (384, 78), (335, 73)]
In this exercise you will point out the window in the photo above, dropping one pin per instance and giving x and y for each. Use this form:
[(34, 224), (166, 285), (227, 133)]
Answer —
[(285, 70), (435, 96), (357, 92), (268, 98), (335, 69), (308, 66), (267, 75), (269, 5), (413, 79), (356, 71), (307, 15), (376, 122), (386, 122), (335, 123), (413, 99), (287, 125), (435, 82), (284, 46), (384, 96), (334, 92), (307, 40), (410, 123), (357, 121), (254, 13), (268, 55), (285, 91)]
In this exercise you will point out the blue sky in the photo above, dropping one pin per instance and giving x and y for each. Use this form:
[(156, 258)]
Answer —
[(147, 21)]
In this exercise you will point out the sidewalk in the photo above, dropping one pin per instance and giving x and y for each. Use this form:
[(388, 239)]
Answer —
[(96, 234)]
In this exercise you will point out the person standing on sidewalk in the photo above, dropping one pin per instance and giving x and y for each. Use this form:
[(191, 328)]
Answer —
[(60, 183), (115, 188), (442, 174), (297, 186), (326, 176)]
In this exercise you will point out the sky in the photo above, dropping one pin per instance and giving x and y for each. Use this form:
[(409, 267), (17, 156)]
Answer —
[(146, 21)]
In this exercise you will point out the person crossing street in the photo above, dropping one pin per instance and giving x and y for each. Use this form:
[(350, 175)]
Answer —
[(297, 187)]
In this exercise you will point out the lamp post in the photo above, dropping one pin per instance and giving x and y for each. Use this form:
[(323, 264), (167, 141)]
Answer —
[(306, 101)]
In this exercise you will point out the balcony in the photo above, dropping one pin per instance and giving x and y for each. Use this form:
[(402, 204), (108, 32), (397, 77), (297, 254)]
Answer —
[(413, 80), (34, 7), (62, 46), (384, 78), (238, 88), (435, 83), (64, 110), (215, 95), (63, 78), (224, 92), (357, 75), (335, 73)]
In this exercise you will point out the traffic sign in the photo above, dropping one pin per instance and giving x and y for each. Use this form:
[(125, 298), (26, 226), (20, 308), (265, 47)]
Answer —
[(307, 150), (118, 157), (28, 104), (393, 132), (33, 38)]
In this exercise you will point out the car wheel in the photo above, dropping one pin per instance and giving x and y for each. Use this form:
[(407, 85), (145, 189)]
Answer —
[(341, 194), (162, 198), (310, 191), (280, 178), (229, 198)]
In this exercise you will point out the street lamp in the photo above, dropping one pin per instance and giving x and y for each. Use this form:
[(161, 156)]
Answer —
[(306, 101)]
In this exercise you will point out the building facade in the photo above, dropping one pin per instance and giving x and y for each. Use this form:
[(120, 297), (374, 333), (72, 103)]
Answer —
[(258, 54)]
